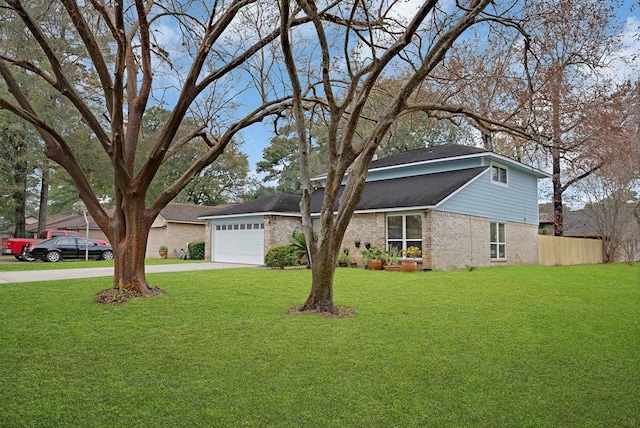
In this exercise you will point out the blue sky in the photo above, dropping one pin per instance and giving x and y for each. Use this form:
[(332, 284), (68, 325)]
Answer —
[(258, 136)]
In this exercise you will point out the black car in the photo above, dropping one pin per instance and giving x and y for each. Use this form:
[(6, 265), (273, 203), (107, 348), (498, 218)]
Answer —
[(55, 249)]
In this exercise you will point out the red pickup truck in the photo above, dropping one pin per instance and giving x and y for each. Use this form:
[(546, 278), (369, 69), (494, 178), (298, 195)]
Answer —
[(16, 246)]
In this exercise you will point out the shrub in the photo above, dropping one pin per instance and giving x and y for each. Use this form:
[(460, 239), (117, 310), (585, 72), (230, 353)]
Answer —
[(196, 250), (373, 253), (282, 256)]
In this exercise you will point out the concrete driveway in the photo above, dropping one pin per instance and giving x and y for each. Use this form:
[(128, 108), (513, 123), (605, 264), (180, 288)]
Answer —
[(56, 274)]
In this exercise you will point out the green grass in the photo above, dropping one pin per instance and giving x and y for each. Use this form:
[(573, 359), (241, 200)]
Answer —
[(11, 265), (513, 346)]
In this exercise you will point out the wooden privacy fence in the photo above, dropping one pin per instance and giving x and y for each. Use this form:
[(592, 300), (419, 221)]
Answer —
[(562, 251)]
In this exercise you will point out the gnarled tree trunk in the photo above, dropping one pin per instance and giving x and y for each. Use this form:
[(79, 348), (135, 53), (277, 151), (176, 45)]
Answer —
[(131, 235)]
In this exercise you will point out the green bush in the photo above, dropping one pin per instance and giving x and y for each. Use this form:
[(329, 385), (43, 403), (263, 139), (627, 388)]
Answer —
[(196, 250), (282, 256)]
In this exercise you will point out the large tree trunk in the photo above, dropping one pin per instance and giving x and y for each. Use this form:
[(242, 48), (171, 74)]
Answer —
[(333, 228), (323, 268), (131, 234), (129, 271), (556, 152), (558, 215), (44, 198), (20, 194)]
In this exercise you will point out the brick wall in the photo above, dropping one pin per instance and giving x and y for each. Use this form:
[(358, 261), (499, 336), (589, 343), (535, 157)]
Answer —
[(522, 244), (456, 241), (278, 230), (369, 228), (207, 242), (363, 227), (179, 234)]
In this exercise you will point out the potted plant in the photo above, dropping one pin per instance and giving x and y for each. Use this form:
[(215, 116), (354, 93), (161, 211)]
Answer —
[(391, 259), (343, 258), (411, 253), (162, 251), (374, 255)]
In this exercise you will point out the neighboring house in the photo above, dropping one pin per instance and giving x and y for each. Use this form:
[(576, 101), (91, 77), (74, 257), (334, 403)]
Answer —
[(9, 231), (463, 206), (175, 227), (623, 226), (71, 220)]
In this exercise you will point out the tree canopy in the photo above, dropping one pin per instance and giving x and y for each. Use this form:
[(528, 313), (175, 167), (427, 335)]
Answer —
[(105, 64)]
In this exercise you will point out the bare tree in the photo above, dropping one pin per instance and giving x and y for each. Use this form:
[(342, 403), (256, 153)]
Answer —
[(571, 44), (358, 42), (107, 61), (554, 80), (611, 193), (612, 209)]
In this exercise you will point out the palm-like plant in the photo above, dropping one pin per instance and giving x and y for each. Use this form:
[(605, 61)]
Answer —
[(299, 244)]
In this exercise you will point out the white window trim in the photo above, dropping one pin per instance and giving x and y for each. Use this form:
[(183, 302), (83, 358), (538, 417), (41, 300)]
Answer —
[(500, 166), (404, 238), (498, 243)]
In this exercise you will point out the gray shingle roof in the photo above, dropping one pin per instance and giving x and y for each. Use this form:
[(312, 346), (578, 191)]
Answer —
[(406, 192), (281, 203), (427, 154)]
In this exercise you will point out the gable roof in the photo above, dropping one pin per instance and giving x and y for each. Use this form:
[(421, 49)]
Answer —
[(420, 191)]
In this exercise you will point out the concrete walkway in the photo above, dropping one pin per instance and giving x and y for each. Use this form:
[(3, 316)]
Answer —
[(56, 274)]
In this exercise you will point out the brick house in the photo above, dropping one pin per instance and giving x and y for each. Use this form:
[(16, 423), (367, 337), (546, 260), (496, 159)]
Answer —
[(462, 205)]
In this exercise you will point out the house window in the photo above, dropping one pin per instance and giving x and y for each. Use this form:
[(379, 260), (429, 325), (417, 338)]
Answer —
[(404, 231), (498, 174), (498, 241)]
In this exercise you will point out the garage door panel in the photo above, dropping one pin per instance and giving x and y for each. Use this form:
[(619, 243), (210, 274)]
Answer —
[(238, 246)]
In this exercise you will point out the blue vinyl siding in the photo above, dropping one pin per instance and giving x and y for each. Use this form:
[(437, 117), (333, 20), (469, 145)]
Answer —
[(516, 202), (426, 168)]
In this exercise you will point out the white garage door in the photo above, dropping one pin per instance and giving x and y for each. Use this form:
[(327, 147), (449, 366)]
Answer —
[(239, 243)]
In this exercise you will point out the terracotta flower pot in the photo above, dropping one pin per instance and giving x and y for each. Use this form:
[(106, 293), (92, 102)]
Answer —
[(409, 266), (375, 264)]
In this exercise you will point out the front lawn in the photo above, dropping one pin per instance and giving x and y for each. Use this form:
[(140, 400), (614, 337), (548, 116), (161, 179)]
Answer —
[(513, 346)]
